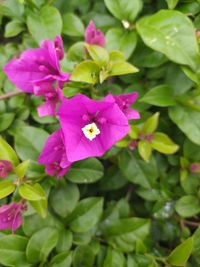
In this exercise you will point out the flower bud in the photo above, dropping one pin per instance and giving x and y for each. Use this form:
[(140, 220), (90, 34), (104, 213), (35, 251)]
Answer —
[(5, 168)]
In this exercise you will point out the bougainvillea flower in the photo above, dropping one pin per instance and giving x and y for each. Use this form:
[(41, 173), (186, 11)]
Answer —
[(52, 97), (90, 127), (124, 102), (94, 36), (195, 167), (54, 155), (5, 168), (37, 66), (58, 43), (10, 216)]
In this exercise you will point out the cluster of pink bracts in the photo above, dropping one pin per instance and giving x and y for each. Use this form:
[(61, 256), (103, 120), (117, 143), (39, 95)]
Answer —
[(88, 127)]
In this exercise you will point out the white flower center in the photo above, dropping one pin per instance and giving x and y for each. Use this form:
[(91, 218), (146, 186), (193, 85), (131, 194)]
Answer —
[(91, 131)]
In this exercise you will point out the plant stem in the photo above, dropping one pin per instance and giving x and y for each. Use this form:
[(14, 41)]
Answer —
[(190, 223), (10, 94)]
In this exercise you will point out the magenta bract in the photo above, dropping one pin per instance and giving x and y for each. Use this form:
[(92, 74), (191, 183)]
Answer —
[(5, 168), (90, 127), (94, 36), (54, 155), (37, 66), (10, 216), (124, 102)]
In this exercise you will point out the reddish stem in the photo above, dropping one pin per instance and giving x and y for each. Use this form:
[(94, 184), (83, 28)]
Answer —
[(10, 94)]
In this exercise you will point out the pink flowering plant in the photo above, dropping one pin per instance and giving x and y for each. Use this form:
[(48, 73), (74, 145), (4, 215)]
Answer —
[(99, 157)]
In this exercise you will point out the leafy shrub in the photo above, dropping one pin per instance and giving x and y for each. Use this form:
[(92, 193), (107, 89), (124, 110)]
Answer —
[(138, 204)]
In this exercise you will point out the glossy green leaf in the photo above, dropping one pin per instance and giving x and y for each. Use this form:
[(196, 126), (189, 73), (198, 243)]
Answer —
[(180, 255), (64, 241), (83, 256), (144, 149), (162, 143), (46, 23), (124, 233), (188, 206), (124, 41), (61, 260), (32, 193), (124, 10), (86, 171), (72, 25), (6, 120), (41, 244), (151, 124), (171, 33), (7, 153), (64, 198), (21, 169), (86, 214), (86, 71), (6, 188), (160, 96), (27, 143), (121, 68), (13, 28), (137, 171), (12, 251), (98, 54), (172, 3), (187, 120), (114, 258)]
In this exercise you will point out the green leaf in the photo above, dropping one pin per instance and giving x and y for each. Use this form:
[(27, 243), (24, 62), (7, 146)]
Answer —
[(83, 256), (61, 260), (137, 171), (64, 197), (151, 124), (160, 96), (86, 214), (7, 153), (72, 25), (21, 169), (180, 255), (85, 171), (187, 206), (6, 120), (12, 249), (123, 233), (162, 143), (27, 143), (166, 32), (13, 28), (118, 39), (41, 244), (98, 54), (114, 258), (65, 240), (144, 149), (6, 188), (34, 223), (196, 245), (116, 55), (172, 3), (46, 23), (187, 120), (76, 52), (87, 71), (124, 10), (40, 206), (121, 68), (32, 193)]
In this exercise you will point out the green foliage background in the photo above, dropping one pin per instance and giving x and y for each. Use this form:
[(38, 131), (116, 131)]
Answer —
[(130, 208)]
